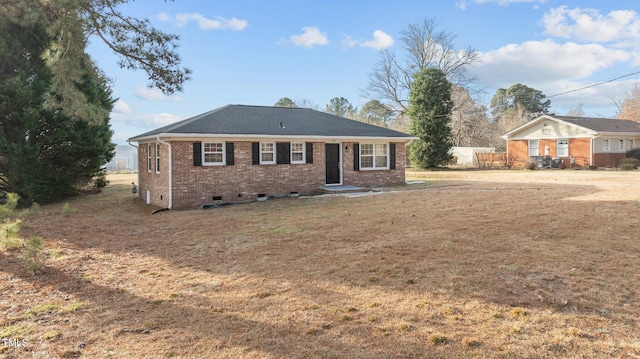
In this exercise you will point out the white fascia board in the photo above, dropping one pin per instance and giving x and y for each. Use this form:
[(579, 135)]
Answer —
[(236, 137), (620, 134)]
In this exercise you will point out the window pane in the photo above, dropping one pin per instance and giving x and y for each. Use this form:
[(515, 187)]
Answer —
[(297, 157), (366, 161), (267, 157), (381, 149), (266, 147), (296, 147), (366, 149), (381, 161)]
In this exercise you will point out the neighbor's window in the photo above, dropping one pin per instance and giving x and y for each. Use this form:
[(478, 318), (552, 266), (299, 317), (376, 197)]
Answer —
[(533, 148), (149, 161), (563, 147), (213, 153), (157, 158), (297, 152), (630, 142), (374, 156), (621, 145), (267, 153), (605, 145)]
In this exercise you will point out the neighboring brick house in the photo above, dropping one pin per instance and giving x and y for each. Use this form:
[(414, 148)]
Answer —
[(562, 141), (239, 153)]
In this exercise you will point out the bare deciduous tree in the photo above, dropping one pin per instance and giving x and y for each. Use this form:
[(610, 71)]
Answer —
[(469, 124), (629, 107), (425, 46)]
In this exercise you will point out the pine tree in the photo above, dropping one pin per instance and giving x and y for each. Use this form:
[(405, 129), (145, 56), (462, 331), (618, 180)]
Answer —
[(430, 107)]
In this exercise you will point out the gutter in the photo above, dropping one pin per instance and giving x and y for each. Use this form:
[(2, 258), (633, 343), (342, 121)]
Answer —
[(170, 172)]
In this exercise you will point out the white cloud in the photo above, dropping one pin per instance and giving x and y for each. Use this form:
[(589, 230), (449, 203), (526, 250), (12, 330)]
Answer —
[(121, 107), (591, 25), (538, 63), (310, 37), (218, 23), (152, 94), (381, 41), (348, 41)]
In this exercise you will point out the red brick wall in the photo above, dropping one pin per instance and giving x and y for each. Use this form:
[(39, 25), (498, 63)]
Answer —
[(194, 186), (579, 148), (518, 153), (156, 184), (607, 159), (369, 178)]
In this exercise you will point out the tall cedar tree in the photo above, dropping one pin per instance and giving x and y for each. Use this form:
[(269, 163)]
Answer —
[(45, 153), (430, 107)]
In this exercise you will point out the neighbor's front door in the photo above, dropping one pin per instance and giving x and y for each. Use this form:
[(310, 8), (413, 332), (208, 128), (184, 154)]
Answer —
[(332, 151)]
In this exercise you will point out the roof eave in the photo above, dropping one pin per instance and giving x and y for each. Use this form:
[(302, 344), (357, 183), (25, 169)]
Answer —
[(248, 137)]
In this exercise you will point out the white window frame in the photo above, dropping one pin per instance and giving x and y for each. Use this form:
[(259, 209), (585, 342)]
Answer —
[(263, 151), (157, 158), (621, 145), (605, 145), (301, 151), (537, 148), (631, 143), (565, 147), (149, 160), (222, 152), (374, 155)]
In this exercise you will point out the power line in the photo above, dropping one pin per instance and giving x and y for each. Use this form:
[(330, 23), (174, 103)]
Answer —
[(594, 85)]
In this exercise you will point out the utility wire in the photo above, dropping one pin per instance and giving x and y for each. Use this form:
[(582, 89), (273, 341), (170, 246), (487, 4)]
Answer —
[(594, 85)]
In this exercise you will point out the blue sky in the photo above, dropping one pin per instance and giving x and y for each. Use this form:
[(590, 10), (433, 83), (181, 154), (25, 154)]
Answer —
[(255, 52)]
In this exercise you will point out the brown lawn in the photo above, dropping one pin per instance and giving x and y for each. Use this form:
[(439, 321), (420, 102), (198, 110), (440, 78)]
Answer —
[(470, 264)]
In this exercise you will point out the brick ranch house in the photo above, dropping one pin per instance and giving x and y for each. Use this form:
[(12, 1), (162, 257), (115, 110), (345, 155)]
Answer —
[(239, 153), (570, 141)]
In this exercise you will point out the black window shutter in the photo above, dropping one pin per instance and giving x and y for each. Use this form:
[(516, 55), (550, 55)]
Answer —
[(309, 150), (392, 156), (356, 157), (197, 153), (283, 153), (255, 153), (229, 153)]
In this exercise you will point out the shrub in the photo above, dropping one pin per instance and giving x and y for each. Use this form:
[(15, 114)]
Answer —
[(532, 165), (100, 181), (66, 209), (34, 255), (634, 153), (628, 163)]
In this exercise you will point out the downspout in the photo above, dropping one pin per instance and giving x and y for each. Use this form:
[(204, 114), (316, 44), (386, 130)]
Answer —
[(170, 172), (593, 142), (137, 154)]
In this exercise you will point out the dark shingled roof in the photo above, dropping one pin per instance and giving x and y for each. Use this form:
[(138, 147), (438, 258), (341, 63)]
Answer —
[(272, 121), (603, 124)]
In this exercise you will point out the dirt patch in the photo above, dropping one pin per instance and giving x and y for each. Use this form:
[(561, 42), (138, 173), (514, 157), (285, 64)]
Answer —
[(468, 264)]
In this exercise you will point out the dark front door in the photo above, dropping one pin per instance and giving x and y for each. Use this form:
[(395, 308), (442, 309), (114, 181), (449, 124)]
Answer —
[(332, 151)]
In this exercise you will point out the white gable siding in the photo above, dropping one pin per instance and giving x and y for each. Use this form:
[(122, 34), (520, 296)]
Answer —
[(550, 129)]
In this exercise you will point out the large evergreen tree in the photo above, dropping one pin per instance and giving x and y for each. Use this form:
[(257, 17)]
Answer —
[(47, 153), (430, 107)]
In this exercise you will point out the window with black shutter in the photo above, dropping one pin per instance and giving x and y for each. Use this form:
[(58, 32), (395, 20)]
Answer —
[(283, 153), (356, 157), (392, 156), (197, 153), (309, 152), (255, 153), (229, 153)]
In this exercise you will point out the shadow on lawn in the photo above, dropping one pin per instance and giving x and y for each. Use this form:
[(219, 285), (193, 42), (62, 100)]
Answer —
[(418, 244)]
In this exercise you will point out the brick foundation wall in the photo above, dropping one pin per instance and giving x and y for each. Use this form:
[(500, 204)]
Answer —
[(607, 159)]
